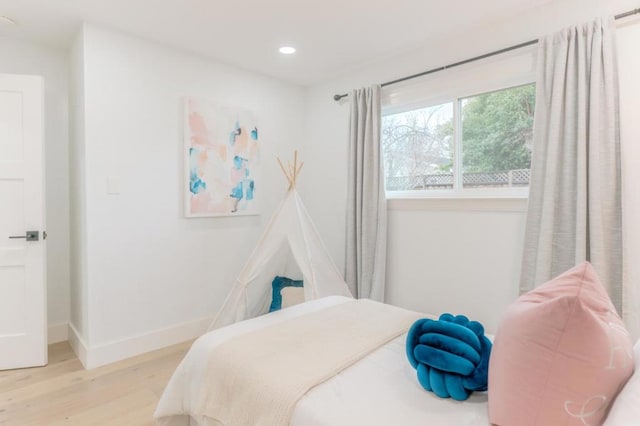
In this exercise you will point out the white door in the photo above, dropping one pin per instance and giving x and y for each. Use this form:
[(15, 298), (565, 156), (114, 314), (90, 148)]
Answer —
[(23, 335)]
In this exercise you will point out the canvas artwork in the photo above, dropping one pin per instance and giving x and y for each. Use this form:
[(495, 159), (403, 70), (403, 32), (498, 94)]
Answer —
[(222, 160)]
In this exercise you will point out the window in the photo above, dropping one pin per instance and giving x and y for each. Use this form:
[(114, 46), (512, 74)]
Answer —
[(418, 148), (470, 144)]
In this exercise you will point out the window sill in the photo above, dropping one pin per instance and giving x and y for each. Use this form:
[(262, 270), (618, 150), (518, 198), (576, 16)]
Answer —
[(516, 204)]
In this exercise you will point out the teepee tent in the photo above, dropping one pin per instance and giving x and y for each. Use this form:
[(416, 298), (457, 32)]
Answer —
[(290, 246)]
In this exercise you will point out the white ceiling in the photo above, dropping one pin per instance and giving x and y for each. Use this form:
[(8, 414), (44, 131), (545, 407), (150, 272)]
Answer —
[(331, 36)]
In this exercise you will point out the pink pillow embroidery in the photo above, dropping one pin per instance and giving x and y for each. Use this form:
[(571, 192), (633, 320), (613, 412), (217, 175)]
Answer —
[(560, 356)]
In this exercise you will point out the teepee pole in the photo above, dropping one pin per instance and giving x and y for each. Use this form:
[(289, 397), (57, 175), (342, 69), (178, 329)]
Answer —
[(299, 168), (292, 171), (292, 175), (285, 174), (295, 166)]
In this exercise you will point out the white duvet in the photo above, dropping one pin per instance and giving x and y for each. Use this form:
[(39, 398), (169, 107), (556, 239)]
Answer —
[(381, 389)]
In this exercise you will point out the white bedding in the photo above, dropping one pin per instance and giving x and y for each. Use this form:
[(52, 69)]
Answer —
[(381, 389)]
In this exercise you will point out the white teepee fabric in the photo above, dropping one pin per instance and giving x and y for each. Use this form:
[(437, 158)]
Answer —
[(290, 246)]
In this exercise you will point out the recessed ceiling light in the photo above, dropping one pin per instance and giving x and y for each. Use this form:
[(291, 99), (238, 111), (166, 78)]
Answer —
[(7, 20), (287, 50)]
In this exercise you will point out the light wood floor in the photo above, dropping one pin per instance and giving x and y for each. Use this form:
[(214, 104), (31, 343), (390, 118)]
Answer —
[(64, 393)]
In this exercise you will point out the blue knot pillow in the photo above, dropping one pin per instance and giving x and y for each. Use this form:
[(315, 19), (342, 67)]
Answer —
[(451, 355), (277, 285)]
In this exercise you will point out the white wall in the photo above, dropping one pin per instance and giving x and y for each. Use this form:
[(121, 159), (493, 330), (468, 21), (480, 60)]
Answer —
[(150, 270), (20, 57), (78, 212), (458, 256), (442, 257)]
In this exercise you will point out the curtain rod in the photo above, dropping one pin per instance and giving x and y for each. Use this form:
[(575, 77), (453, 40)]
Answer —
[(476, 58)]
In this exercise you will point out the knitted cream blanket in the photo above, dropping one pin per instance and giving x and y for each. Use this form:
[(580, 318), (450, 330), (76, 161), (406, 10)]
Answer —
[(257, 378)]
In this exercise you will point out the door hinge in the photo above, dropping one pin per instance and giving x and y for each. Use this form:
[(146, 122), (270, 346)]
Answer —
[(44, 235)]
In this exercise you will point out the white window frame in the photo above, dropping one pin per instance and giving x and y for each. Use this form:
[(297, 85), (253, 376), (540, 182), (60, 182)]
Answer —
[(498, 73)]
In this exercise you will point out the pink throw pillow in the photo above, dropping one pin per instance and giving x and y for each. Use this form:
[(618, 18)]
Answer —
[(560, 356), (625, 410)]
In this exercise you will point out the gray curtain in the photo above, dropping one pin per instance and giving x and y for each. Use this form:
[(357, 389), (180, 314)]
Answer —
[(574, 211), (366, 202)]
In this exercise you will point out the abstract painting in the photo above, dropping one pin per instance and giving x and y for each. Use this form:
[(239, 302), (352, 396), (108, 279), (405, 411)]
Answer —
[(221, 160)]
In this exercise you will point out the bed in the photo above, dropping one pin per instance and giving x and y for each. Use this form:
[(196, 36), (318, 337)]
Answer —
[(379, 389)]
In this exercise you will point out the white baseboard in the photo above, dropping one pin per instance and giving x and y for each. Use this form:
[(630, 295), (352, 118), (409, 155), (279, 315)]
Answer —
[(78, 345), (106, 353), (58, 333)]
